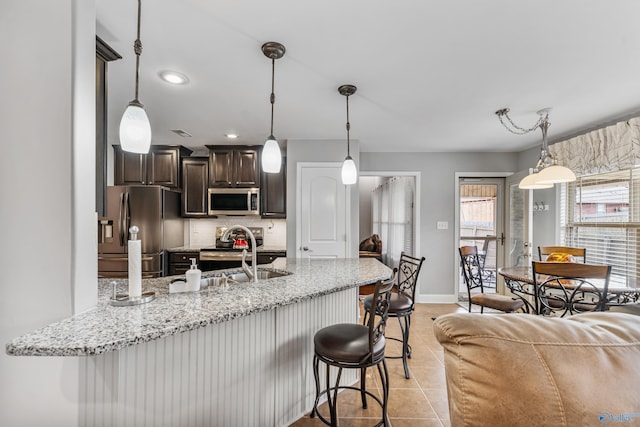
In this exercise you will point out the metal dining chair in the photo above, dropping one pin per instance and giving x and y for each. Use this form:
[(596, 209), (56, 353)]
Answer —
[(569, 288), (402, 303), (472, 273)]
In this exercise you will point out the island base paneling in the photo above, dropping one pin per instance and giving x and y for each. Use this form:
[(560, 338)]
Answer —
[(253, 370), (296, 326)]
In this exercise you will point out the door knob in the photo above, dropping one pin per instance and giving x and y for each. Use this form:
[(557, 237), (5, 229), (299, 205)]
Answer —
[(305, 248)]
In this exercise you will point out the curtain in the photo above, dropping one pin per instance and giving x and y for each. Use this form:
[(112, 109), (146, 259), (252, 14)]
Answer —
[(612, 148), (392, 215)]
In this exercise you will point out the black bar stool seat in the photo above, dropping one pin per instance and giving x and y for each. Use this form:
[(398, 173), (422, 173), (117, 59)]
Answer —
[(347, 342)]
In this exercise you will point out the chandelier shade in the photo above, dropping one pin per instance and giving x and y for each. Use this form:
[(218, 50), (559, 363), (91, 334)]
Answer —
[(556, 174), (349, 171), (135, 129), (530, 182), (271, 156)]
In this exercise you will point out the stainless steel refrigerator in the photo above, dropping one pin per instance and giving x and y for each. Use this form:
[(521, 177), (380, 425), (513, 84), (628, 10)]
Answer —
[(155, 211)]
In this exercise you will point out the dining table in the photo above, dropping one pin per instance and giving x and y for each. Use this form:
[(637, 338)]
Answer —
[(521, 282)]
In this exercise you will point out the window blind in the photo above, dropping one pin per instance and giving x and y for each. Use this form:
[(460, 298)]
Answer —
[(601, 213)]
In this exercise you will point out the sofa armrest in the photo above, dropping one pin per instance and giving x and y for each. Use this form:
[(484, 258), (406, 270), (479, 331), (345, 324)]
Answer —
[(521, 369)]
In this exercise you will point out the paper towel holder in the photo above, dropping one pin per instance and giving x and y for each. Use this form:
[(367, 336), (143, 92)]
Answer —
[(123, 300)]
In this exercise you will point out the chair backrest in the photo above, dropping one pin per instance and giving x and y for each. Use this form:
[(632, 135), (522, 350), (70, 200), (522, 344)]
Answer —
[(568, 287), (408, 271), (379, 311), (544, 251), (471, 268)]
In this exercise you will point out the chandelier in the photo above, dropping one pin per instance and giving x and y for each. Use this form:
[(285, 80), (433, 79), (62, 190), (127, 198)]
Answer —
[(547, 172)]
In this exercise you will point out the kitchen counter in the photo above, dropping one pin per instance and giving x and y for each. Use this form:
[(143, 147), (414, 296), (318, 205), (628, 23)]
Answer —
[(107, 328), (197, 248)]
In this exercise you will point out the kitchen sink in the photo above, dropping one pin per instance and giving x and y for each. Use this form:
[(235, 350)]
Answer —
[(262, 275)]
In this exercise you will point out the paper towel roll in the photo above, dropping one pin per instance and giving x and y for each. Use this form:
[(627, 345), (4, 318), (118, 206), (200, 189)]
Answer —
[(135, 269)]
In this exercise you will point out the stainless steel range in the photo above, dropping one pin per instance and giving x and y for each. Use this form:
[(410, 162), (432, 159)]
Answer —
[(223, 255)]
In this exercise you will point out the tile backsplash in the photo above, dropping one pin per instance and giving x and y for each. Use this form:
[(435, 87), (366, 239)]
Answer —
[(202, 232)]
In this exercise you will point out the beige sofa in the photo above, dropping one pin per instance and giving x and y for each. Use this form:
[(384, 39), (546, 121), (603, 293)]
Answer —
[(526, 370)]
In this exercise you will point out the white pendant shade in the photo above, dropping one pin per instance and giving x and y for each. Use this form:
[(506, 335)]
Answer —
[(271, 156), (530, 182), (135, 130), (349, 171), (556, 174)]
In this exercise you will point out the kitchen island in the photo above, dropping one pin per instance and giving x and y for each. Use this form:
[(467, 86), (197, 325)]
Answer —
[(240, 356)]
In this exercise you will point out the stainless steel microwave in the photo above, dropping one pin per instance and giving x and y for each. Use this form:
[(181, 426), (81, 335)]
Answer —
[(234, 201)]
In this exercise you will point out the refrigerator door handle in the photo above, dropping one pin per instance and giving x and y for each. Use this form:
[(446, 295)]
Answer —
[(121, 220)]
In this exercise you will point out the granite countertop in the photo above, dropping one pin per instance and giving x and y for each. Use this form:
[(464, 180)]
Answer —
[(108, 328)]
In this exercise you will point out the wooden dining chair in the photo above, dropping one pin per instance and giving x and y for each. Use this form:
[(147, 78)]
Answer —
[(569, 288), (472, 273), (545, 251)]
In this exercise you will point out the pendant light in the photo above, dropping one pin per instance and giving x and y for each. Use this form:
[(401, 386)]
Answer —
[(271, 156), (349, 170), (135, 130), (547, 171)]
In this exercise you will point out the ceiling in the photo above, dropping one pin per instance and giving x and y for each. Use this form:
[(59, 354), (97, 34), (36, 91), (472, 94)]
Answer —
[(430, 74)]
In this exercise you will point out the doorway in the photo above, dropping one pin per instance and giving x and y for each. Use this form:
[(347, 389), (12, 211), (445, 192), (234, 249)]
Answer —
[(480, 223), (390, 207)]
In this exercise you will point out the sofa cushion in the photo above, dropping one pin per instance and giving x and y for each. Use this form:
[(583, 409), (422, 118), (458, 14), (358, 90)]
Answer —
[(526, 370)]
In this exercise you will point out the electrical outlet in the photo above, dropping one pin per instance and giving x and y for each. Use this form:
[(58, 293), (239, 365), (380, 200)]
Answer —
[(442, 225)]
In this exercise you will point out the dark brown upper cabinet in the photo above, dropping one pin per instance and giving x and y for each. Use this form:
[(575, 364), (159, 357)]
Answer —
[(161, 166), (195, 181), (234, 166), (274, 193)]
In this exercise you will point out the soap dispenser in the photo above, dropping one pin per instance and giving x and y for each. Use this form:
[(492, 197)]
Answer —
[(193, 277)]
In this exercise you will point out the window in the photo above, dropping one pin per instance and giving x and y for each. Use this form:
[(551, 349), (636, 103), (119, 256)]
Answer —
[(601, 213)]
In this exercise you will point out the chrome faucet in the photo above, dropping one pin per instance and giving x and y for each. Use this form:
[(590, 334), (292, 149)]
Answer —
[(253, 273)]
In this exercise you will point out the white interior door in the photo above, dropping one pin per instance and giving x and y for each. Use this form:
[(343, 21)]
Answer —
[(322, 211), (519, 224)]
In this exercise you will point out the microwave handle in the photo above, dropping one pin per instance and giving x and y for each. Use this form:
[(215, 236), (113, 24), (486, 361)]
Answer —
[(249, 199)]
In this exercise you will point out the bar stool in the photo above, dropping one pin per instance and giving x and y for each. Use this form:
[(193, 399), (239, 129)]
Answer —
[(354, 346), (402, 303)]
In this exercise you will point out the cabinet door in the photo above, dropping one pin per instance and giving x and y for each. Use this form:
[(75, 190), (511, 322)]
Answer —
[(195, 181), (130, 168), (163, 166), (274, 193), (246, 172), (221, 167)]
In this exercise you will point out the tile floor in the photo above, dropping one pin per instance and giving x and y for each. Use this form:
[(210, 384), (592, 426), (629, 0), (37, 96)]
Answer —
[(417, 402)]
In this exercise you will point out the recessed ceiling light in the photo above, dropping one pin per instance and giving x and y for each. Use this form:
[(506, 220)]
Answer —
[(231, 135), (173, 77)]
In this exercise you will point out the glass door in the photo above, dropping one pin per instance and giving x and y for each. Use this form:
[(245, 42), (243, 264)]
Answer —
[(480, 223)]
